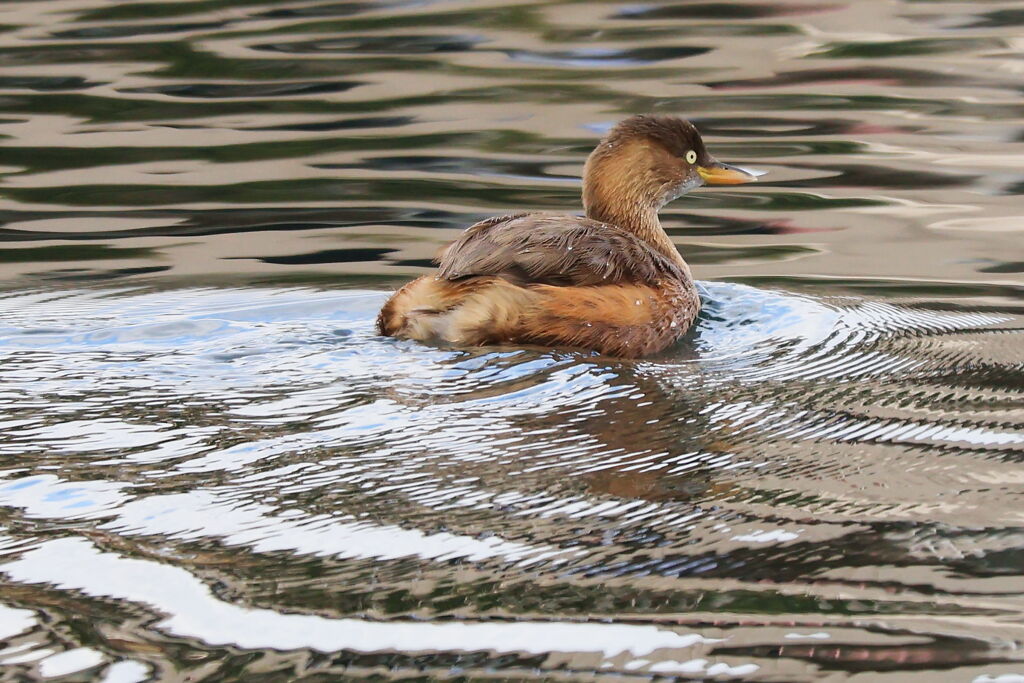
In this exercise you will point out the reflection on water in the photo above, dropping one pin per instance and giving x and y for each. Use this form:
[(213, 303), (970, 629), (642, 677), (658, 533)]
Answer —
[(214, 469)]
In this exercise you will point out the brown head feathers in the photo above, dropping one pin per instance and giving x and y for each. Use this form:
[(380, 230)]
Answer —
[(642, 163), (673, 134)]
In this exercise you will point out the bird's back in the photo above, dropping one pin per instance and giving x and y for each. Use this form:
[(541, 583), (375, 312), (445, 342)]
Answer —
[(552, 249)]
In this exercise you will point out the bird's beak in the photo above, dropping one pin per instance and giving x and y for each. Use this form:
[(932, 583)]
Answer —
[(717, 173)]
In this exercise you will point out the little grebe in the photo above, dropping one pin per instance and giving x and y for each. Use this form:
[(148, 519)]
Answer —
[(612, 282)]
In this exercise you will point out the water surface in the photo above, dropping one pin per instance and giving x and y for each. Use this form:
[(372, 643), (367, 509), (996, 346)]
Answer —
[(213, 469)]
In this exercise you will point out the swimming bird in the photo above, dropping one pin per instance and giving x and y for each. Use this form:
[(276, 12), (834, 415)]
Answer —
[(612, 281)]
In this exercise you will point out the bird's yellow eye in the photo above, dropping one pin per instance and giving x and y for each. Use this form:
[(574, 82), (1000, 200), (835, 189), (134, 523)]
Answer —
[(691, 157)]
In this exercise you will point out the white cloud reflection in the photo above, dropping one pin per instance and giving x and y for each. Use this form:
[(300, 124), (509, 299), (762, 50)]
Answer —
[(192, 611)]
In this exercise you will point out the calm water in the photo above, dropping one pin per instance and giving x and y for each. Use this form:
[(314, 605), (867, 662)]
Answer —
[(213, 470)]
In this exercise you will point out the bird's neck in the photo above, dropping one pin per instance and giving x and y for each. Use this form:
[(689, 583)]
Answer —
[(638, 218), (631, 204)]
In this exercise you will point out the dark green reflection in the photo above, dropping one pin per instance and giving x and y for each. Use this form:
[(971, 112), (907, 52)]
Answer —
[(73, 252)]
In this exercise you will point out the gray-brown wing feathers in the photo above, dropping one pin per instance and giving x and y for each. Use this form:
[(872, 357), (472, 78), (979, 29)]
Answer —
[(556, 250)]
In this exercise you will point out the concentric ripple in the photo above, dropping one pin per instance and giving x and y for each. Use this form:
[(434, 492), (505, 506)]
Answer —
[(766, 475)]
